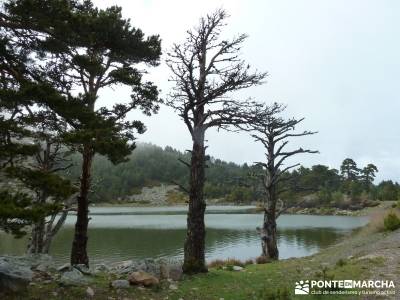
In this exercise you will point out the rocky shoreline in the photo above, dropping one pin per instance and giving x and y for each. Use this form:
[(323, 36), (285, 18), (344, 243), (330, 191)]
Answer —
[(17, 273), (324, 211)]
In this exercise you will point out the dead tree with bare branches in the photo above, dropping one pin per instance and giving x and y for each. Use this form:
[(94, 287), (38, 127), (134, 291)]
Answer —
[(206, 71), (274, 133)]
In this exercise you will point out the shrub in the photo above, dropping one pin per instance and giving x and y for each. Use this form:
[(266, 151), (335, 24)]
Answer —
[(391, 222), (262, 260), (230, 262), (341, 262), (278, 294)]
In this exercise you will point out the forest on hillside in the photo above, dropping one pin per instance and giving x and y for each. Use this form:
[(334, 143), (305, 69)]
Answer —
[(151, 165)]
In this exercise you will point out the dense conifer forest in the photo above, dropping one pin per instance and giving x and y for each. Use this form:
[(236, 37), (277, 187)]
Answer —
[(151, 165)]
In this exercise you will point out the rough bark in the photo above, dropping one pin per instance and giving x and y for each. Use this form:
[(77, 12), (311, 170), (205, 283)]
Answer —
[(206, 70), (274, 132), (79, 245), (269, 240), (36, 244), (51, 230), (194, 258)]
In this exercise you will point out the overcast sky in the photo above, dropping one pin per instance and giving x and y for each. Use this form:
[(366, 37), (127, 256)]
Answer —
[(336, 63)]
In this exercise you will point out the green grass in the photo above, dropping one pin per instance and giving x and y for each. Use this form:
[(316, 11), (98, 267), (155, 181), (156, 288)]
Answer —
[(254, 282)]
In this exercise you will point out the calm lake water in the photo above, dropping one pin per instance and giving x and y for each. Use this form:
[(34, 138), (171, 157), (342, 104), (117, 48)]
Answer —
[(121, 233)]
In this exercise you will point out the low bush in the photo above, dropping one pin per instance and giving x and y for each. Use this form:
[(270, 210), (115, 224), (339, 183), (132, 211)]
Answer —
[(341, 262), (391, 222), (219, 263), (278, 294), (262, 260)]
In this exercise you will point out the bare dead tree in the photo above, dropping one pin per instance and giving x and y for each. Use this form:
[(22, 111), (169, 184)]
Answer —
[(206, 71), (274, 133)]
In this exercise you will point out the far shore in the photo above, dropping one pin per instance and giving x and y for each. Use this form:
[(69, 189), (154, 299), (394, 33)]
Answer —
[(256, 208)]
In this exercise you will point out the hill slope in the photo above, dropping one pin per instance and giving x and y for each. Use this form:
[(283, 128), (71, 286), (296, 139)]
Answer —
[(151, 165)]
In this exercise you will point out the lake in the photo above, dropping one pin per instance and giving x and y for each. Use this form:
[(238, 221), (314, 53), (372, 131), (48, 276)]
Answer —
[(121, 233)]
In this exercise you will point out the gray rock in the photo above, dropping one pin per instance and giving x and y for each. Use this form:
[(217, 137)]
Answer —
[(73, 277), (143, 278), (40, 262), (173, 287), (83, 269), (152, 267), (14, 277), (42, 267), (124, 267), (64, 267), (158, 268), (175, 272), (164, 271), (120, 284), (89, 292), (101, 268), (237, 268)]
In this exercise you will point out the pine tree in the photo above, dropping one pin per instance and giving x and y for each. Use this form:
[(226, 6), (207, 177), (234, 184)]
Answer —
[(206, 71), (87, 49), (21, 103), (368, 174), (273, 131)]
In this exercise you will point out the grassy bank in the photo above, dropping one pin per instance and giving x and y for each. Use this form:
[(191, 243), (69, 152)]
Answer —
[(368, 254)]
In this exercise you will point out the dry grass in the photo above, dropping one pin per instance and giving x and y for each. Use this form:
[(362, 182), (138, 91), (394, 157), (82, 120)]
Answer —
[(262, 260), (219, 263), (376, 221)]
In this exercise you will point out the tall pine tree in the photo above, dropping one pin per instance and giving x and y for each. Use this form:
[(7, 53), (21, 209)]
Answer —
[(24, 96), (83, 50)]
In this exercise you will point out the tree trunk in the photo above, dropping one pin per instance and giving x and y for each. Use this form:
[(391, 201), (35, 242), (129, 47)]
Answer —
[(36, 243), (51, 230), (269, 241), (194, 257), (79, 245)]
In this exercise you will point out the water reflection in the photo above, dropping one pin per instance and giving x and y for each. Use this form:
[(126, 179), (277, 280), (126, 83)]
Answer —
[(119, 237)]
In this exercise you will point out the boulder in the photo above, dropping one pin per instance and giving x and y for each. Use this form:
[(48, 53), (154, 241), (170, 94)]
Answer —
[(143, 278), (83, 269), (101, 268), (14, 277), (73, 277), (89, 292), (160, 268), (41, 262), (64, 267), (237, 268), (120, 284), (124, 267)]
